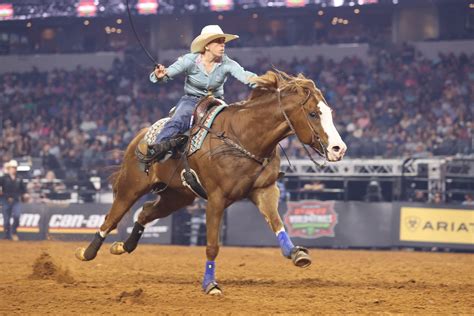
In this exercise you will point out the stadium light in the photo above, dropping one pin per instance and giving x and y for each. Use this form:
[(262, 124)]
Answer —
[(6, 11), (86, 8), (147, 6), (221, 5), (362, 2), (295, 3)]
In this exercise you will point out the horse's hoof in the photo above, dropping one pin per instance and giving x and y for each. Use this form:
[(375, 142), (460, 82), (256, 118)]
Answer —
[(300, 257), (80, 254), (117, 248), (213, 289)]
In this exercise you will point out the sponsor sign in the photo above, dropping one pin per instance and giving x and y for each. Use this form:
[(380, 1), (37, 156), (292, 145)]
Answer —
[(311, 219), (29, 223), (437, 225), (75, 223)]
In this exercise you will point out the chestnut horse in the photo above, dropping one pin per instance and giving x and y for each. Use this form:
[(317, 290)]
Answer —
[(280, 106)]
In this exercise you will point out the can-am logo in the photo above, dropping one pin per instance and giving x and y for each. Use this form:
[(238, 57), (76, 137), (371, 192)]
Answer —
[(76, 224), (311, 219), (75, 221), (151, 229)]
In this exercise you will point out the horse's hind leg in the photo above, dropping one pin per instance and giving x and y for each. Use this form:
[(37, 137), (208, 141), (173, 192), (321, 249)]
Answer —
[(125, 196), (266, 200), (168, 202)]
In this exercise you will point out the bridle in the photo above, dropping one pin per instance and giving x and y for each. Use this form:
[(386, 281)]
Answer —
[(314, 136)]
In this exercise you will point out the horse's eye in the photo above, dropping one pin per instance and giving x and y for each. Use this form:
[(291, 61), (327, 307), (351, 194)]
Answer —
[(313, 114)]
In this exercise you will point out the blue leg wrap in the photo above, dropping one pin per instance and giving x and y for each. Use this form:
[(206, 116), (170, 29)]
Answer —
[(285, 243), (209, 274)]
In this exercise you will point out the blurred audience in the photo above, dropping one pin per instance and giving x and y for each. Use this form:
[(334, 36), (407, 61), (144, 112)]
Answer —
[(397, 104)]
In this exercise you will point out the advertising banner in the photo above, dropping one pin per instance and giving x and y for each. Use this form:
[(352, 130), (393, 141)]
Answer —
[(32, 222), (77, 221), (314, 223), (436, 226)]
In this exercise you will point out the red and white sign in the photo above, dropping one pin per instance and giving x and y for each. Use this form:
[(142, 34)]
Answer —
[(6, 11), (295, 3), (221, 5), (147, 6), (86, 8), (311, 219)]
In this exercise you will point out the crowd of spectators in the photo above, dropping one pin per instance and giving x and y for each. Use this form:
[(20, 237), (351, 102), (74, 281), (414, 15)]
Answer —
[(397, 104)]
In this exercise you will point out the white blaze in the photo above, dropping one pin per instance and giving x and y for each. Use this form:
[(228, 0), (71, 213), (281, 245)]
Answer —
[(334, 139)]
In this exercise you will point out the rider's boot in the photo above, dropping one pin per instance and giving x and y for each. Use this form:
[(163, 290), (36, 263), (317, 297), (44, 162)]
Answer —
[(163, 150)]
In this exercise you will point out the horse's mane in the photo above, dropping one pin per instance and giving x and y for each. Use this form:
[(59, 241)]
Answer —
[(277, 79)]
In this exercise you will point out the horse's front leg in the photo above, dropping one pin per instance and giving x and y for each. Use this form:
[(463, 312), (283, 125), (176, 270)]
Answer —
[(214, 212), (266, 200)]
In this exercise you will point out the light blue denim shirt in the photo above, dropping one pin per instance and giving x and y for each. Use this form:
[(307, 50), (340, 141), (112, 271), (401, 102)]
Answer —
[(198, 82)]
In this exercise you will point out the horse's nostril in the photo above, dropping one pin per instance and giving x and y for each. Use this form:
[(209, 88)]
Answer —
[(336, 149)]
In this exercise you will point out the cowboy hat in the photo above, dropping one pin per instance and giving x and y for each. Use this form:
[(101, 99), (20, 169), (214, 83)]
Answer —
[(11, 164), (208, 34)]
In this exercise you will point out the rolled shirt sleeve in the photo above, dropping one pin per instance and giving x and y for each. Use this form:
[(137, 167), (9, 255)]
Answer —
[(239, 73)]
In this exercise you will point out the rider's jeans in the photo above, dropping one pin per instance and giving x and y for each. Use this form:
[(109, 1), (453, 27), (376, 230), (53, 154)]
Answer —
[(180, 121)]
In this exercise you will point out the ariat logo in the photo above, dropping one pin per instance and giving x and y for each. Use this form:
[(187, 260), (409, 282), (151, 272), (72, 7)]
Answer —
[(412, 223), (437, 225), (311, 219)]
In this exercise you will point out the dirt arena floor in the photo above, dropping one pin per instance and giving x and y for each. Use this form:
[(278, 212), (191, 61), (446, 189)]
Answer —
[(45, 278)]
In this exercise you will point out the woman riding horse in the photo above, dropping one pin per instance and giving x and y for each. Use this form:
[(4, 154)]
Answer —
[(240, 161), (206, 69)]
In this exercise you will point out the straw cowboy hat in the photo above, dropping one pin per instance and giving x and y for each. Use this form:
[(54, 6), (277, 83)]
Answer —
[(208, 34), (11, 164)]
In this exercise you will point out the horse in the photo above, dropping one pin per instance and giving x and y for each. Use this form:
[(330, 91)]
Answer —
[(245, 163)]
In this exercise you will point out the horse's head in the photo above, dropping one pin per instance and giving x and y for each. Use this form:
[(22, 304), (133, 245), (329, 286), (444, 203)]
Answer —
[(306, 111)]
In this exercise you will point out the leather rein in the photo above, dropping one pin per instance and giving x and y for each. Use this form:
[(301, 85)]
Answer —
[(315, 139)]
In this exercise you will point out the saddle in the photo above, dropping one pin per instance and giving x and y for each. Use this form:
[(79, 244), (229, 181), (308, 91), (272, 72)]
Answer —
[(203, 113), (203, 107)]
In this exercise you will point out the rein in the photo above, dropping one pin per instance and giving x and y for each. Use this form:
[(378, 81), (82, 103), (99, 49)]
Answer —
[(220, 135), (264, 161)]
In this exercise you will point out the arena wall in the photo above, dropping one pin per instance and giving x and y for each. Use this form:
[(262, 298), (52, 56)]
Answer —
[(310, 223)]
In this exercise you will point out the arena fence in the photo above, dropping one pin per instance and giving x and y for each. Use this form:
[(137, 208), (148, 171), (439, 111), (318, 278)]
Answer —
[(310, 223)]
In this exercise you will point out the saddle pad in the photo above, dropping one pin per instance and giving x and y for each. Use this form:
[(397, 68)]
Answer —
[(154, 130), (198, 138)]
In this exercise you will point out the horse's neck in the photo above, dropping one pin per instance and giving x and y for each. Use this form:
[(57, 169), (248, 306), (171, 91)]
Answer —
[(260, 126)]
